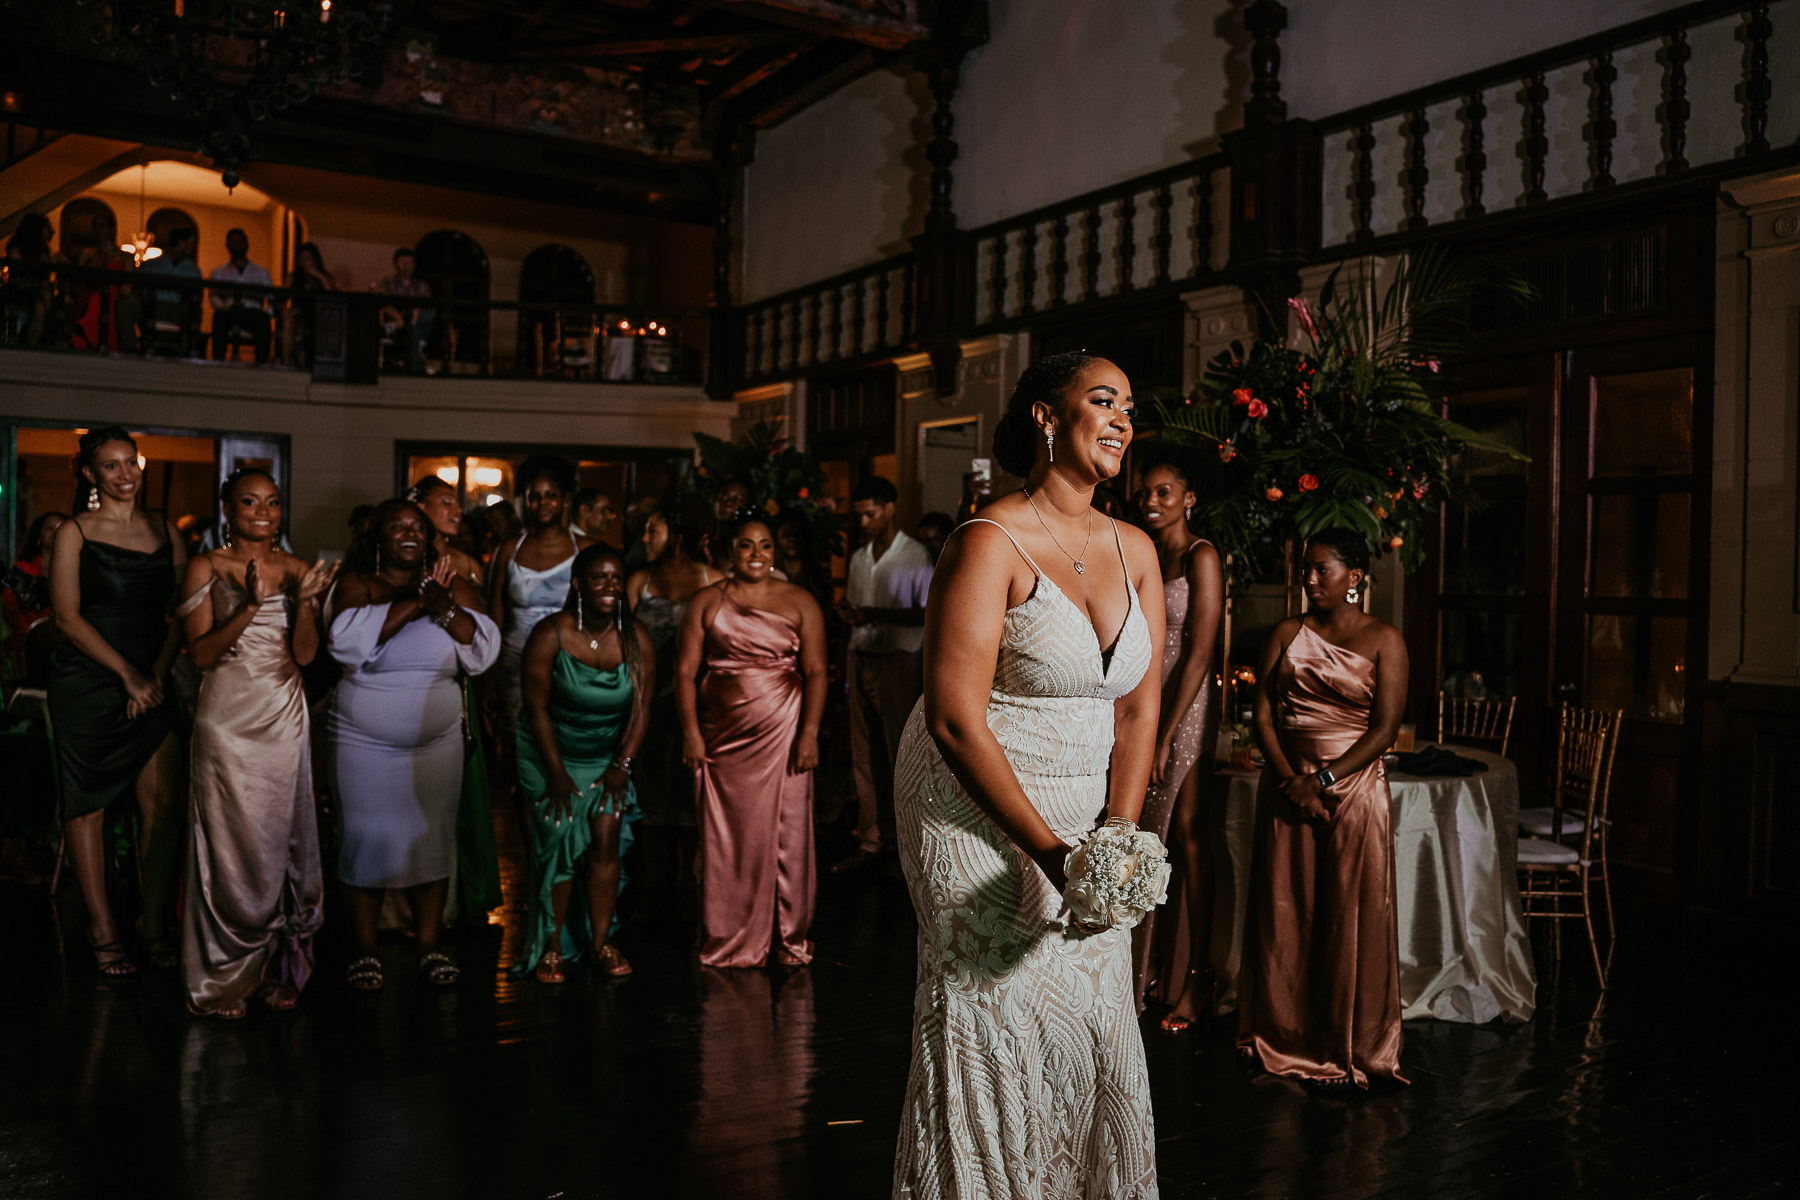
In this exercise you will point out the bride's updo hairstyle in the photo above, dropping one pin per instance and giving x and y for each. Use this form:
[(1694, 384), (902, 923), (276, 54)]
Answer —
[(1048, 379)]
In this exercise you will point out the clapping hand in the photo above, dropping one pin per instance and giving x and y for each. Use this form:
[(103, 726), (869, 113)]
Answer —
[(317, 580), (435, 596)]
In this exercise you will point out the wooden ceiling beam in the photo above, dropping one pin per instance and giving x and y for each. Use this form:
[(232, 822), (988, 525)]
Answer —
[(768, 68), (836, 19), (638, 47)]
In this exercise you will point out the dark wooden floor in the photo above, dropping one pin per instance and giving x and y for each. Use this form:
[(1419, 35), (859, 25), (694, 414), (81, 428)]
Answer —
[(687, 1082)]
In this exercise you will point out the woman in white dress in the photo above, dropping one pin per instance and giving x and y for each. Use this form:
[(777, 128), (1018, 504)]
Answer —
[(1037, 722)]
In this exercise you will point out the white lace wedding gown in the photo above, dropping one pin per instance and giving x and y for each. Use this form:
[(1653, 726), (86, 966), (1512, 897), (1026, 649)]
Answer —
[(1027, 1065)]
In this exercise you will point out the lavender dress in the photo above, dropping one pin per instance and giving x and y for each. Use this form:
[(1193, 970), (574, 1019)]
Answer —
[(1165, 958)]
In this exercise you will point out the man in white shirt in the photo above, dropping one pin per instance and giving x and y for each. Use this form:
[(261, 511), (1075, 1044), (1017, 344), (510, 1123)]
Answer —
[(884, 603), (239, 312)]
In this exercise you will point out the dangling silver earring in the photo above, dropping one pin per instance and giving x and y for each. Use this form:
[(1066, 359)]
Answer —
[(94, 499), (378, 560), (1050, 443), (225, 532), (579, 627)]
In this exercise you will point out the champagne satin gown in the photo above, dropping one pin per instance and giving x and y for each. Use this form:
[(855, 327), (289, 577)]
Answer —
[(1319, 991), (255, 889), (1028, 1075), (756, 833)]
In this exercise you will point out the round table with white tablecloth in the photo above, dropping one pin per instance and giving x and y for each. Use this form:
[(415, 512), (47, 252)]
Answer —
[(1464, 951)]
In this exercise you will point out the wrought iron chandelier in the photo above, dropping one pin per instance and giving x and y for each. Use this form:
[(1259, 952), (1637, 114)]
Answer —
[(237, 61)]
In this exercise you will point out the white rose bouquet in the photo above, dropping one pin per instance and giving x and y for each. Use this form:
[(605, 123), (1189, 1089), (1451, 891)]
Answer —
[(1116, 874)]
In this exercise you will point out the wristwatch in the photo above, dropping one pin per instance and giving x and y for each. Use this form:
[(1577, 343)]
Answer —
[(1325, 777)]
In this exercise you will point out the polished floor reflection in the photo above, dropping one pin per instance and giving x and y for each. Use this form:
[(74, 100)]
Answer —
[(682, 1081)]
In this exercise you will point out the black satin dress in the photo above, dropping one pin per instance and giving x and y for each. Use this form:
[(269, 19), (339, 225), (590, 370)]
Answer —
[(99, 753)]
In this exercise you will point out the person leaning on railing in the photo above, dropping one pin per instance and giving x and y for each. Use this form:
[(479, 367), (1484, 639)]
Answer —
[(239, 315), (175, 311), (407, 325)]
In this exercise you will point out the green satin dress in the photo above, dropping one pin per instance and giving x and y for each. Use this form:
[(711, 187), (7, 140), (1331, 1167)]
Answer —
[(589, 708)]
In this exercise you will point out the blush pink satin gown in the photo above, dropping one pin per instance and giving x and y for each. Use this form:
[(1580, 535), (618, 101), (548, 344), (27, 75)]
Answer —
[(1319, 993), (756, 835)]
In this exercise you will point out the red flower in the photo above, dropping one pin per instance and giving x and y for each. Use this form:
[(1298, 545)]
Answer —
[(1394, 543), (1272, 494), (1241, 397), (1227, 452), (804, 493), (1257, 410), (1309, 483), (1419, 489)]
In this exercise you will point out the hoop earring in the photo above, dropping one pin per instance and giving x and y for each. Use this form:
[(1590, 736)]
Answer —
[(1050, 443), (93, 499)]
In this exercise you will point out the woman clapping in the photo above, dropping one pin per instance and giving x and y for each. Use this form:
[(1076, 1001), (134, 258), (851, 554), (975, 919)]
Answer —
[(589, 674), (403, 624), (254, 888)]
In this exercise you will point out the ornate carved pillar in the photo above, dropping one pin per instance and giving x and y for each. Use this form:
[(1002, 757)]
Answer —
[(1275, 171), (944, 276)]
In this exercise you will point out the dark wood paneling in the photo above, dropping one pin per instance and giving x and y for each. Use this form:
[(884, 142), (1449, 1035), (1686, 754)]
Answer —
[(1748, 843)]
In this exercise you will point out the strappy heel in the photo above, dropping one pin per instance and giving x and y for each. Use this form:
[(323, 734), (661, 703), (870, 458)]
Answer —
[(117, 964)]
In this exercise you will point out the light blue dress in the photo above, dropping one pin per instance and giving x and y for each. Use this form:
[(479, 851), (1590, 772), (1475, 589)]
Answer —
[(530, 597)]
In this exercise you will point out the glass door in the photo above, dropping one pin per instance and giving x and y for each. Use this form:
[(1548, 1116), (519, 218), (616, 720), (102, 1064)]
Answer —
[(1631, 564)]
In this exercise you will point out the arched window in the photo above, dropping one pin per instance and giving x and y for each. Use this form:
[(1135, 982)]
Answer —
[(554, 275), (83, 222), (456, 267), (165, 221)]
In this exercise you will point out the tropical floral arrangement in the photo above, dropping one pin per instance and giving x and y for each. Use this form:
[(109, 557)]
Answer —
[(1350, 431), (780, 479)]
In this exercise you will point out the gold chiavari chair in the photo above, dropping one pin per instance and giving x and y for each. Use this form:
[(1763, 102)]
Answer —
[(1483, 723), (1544, 821), (1557, 874)]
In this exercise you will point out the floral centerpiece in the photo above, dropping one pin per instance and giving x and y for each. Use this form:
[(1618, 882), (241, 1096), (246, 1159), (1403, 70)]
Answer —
[(779, 478), (1349, 431)]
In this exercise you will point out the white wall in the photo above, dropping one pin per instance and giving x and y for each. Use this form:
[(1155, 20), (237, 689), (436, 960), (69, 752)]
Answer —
[(838, 185), (1072, 95)]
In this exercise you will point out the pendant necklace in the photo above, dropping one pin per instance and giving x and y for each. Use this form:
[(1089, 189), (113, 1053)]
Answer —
[(1080, 564)]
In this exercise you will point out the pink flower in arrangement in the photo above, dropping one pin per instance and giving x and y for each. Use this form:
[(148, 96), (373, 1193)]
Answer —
[(1303, 313), (1309, 483), (1419, 489), (1430, 364), (1257, 410)]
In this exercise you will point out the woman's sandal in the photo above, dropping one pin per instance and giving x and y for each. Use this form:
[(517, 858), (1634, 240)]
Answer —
[(608, 959), (278, 997), (549, 968), (438, 970), (364, 974), (231, 1012), (117, 962), (1337, 1083), (1177, 1024), (159, 954)]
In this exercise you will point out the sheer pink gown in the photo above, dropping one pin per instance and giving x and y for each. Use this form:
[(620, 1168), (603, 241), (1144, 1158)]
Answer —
[(756, 835)]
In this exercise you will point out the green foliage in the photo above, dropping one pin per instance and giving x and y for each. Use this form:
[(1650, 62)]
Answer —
[(1349, 433), (779, 477)]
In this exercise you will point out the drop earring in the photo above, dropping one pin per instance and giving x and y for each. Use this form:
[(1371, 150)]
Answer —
[(1050, 443), (378, 560), (93, 499), (1350, 596), (579, 627)]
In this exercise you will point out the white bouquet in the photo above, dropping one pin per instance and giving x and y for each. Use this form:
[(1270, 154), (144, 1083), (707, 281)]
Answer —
[(1116, 874)]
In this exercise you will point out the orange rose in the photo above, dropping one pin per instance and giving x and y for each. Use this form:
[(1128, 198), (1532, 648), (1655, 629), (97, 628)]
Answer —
[(1309, 483), (1394, 543), (1272, 494)]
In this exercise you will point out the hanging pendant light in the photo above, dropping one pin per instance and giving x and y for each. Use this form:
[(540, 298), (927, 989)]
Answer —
[(139, 247)]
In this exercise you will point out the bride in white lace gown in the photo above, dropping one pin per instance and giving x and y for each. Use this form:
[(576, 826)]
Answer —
[(1038, 721)]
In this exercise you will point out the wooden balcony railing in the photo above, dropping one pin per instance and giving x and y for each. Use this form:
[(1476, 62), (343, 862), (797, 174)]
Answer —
[(860, 313)]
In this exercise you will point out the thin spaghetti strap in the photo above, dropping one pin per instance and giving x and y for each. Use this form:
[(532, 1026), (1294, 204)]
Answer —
[(1125, 567), (1009, 537)]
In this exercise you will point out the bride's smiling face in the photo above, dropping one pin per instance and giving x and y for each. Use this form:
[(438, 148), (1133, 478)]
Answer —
[(1093, 422)]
